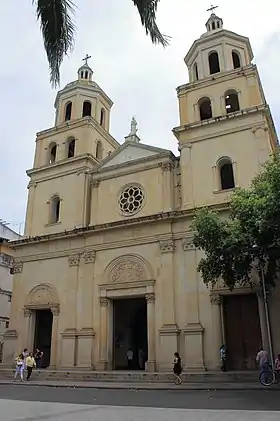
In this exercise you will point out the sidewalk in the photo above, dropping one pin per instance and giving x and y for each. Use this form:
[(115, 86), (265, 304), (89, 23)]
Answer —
[(141, 386)]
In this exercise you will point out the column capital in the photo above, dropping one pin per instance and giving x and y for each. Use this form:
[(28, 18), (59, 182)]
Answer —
[(27, 312), (17, 268), (187, 243), (95, 183), (89, 256), (74, 260), (150, 297), (165, 166), (104, 302), (55, 310), (215, 299), (167, 246)]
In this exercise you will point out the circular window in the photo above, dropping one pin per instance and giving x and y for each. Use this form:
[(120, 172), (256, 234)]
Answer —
[(131, 200)]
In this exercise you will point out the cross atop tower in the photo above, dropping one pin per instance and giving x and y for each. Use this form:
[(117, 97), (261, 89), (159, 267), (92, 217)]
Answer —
[(212, 8), (87, 57)]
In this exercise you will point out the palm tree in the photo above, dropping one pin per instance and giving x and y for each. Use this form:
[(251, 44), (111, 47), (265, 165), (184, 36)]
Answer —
[(58, 29)]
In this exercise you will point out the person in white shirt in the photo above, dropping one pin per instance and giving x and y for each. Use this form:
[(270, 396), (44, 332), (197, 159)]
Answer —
[(262, 359), (129, 356)]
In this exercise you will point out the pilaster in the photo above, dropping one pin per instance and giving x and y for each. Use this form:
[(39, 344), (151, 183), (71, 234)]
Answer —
[(216, 302), (186, 177), (103, 334), (167, 184), (151, 363), (54, 344)]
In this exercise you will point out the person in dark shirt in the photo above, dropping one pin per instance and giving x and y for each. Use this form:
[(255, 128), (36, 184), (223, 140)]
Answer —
[(177, 367), (38, 358)]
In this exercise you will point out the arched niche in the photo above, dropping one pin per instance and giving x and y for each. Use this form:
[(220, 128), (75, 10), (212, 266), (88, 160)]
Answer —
[(128, 268), (42, 296)]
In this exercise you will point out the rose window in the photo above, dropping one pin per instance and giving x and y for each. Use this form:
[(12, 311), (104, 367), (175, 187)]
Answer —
[(131, 200)]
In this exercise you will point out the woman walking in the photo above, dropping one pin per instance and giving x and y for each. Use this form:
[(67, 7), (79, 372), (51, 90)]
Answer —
[(30, 363), (19, 367), (177, 368)]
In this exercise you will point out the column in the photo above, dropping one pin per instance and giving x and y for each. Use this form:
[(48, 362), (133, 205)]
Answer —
[(186, 177), (167, 182), (26, 334), (151, 363), (217, 329), (55, 312), (193, 332), (30, 205), (262, 320), (169, 330), (103, 334)]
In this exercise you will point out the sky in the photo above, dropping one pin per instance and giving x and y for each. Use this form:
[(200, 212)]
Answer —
[(139, 77)]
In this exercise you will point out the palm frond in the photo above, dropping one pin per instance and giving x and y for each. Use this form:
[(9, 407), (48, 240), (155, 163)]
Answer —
[(147, 10), (58, 29)]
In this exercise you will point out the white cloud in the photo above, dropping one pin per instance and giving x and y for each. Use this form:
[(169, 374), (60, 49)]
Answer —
[(140, 78)]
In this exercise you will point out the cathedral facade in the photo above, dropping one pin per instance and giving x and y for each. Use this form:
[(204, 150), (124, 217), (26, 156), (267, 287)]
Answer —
[(107, 262)]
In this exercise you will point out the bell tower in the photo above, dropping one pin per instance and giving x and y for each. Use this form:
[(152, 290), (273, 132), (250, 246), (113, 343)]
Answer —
[(226, 130), (59, 192)]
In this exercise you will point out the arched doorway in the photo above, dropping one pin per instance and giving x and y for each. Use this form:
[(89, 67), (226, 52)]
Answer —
[(42, 309)]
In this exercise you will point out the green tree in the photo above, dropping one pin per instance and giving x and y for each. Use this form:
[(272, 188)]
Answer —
[(58, 29), (249, 237)]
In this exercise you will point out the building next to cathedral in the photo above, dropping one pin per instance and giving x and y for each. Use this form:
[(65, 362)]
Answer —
[(107, 262)]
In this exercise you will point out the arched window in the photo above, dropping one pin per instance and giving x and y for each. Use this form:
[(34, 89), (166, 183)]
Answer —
[(195, 71), (86, 109), (205, 108), (231, 101), (226, 174), (86, 74), (213, 25), (71, 147), (68, 111), (99, 150), (235, 60), (214, 65), (102, 117), (52, 153), (55, 210)]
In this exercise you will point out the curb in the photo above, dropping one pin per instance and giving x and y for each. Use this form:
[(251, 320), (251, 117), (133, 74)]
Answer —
[(111, 386)]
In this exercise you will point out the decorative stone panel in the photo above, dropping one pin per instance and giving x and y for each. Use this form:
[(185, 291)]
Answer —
[(167, 246)]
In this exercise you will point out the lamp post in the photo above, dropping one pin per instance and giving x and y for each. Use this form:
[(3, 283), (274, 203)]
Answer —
[(262, 279)]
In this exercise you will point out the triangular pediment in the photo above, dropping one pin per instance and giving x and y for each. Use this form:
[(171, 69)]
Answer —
[(131, 151)]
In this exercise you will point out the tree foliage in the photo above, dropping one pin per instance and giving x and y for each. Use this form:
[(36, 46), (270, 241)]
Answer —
[(249, 238), (56, 19)]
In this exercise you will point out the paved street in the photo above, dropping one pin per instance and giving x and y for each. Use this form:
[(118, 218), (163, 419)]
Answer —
[(32, 403)]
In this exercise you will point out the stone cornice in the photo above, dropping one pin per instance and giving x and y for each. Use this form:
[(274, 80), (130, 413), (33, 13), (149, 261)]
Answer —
[(177, 131), (139, 165), (171, 216), (217, 78), (75, 124), (64, 162)]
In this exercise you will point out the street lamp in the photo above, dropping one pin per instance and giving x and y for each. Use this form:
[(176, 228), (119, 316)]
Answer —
[(262, 279)]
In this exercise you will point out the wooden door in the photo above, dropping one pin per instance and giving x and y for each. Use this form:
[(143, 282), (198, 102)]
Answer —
[(242, 330)]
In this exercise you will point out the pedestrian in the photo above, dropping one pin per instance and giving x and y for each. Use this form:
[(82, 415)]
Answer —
[(141, 359), (25, 354), (38, 359), (277, 363), (30, 363), (129, 356), (223, 357), (262, 360), (19, 366), (177, 368)]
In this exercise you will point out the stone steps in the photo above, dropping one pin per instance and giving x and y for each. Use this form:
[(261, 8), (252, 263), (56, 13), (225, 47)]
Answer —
[(145, 377)]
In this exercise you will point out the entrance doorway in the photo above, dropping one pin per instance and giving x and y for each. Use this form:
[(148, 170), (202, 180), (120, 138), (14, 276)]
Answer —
[(242, 330), (43, 334), (130, 333)]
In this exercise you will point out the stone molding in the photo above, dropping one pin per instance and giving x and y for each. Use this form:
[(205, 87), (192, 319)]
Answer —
[(74, 260), (10, 334), (42, 296), (215, 299), (86, 332), (104, 302), (127, 268), (167, 246), (165, 166), (169, 330), (187, 243), (127, 285), (27, 312), (17, 268), (193, 329), (89, 256), (69, 333), (55, 310), (150, 298)]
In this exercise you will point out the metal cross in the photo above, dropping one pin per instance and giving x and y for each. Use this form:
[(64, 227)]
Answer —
[(212, 8), (86, 59)]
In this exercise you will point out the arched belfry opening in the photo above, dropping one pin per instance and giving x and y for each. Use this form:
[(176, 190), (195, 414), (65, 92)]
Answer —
[(231, 101), (87, 109), (195, 71), (214, 64), (205, 108), (55, 208), (226, 174), (102, 117), (52, 152), (68, 111), (236, 59), (71, 144)]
